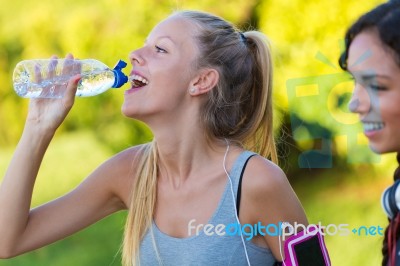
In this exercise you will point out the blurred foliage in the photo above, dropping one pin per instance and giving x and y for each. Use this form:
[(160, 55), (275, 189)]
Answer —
[(310, 89), (311, 95), (109, 29), (96, 245), (106, 30)]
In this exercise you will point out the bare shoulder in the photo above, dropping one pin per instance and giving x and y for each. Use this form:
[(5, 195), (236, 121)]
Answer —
[(268, 193), (263, 176), (118, 173), (105, 191), (124, 159)]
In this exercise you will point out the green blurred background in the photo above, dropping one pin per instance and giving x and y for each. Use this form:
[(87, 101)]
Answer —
[(322, 149)]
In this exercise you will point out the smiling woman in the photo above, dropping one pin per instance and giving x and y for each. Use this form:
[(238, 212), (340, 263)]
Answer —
[(372, 56), (377, 91)]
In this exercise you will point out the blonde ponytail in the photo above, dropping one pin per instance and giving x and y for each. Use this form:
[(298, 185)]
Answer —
[(261, 136), (142, 204)]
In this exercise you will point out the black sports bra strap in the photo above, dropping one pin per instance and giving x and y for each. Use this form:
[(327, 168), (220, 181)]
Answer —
[(239, 191)]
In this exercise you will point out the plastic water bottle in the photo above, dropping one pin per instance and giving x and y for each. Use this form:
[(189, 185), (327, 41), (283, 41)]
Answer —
[(48, 78)]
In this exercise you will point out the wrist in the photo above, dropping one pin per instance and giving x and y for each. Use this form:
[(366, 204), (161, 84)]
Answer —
[(36, 131)]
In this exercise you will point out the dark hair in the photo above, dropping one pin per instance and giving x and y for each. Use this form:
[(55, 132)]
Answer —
[(392, 232), (385, 20)]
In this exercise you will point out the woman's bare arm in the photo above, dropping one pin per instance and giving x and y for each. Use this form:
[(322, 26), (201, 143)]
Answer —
[(269, 199), (105, 191)]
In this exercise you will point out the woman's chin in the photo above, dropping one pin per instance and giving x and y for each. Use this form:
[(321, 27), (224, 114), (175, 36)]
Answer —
[(379, 149), (127, 111)]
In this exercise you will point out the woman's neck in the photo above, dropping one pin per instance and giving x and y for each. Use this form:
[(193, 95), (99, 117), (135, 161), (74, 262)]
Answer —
[(184, 158)]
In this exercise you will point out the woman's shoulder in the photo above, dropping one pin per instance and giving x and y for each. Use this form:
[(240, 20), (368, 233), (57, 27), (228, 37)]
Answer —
[(268, 193), (263, 174), (119, 172), (123, 165), (265, 182), (128, 156)]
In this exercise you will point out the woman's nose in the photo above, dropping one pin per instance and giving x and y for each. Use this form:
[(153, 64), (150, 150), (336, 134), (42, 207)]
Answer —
[(353, 104), (360, 101), (136, 58)]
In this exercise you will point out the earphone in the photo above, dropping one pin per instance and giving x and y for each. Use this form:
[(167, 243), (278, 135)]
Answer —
[(306, 247), (236, 213), (283, 226), (234, 202), (390, 200)]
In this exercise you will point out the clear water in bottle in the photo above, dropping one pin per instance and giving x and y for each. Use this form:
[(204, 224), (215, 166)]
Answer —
[(95, 83), (32, 79)]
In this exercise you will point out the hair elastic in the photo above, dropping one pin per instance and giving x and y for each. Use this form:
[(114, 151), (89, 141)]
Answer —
[(244, 38)]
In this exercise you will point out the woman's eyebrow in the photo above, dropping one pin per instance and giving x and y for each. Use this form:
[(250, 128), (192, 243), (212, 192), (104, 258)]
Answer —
[(161, 37), (366, 76)]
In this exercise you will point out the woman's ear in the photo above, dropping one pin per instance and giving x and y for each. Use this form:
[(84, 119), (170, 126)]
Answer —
[(206, 80)]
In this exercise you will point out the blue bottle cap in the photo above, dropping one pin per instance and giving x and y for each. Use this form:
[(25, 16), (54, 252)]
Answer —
[(120, 77)]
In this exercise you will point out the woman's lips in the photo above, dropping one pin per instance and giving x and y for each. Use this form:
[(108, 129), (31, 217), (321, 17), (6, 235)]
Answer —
[(372, 128)]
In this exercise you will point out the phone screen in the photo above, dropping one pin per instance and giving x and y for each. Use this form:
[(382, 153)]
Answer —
[(309, 253)]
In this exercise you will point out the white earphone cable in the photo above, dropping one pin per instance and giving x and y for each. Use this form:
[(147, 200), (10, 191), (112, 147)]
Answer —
[(280, 249), (234, 202)]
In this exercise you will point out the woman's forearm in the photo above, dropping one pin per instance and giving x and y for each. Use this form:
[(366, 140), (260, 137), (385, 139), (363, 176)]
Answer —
[(17, 186)]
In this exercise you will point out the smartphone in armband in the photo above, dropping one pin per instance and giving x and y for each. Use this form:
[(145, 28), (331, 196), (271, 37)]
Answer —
[(306, 248)]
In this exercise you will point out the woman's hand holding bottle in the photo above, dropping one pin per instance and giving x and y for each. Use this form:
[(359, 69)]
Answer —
[(48, 114)]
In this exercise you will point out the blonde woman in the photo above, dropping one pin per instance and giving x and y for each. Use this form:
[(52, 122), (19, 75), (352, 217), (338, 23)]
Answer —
[(204, 89)]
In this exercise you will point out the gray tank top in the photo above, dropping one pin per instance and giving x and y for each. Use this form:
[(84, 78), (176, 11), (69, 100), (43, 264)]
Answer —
[(206, 249)]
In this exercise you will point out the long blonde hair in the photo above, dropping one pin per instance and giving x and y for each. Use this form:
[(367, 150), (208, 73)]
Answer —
[(142, 203), (239, 108)]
